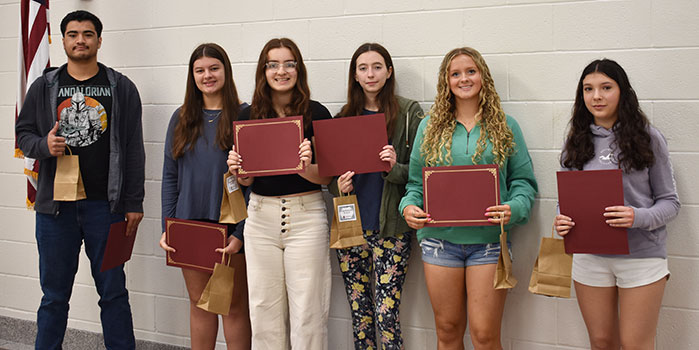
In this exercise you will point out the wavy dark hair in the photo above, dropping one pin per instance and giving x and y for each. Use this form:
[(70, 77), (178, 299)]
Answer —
[(386, 98), (189, 125), (631, 127), (262, 106)]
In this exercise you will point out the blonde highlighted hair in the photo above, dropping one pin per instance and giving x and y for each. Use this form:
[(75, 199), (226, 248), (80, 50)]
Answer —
[(436, 145)]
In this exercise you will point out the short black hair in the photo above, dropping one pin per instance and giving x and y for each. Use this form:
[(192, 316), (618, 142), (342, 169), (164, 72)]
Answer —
[(81, 15)]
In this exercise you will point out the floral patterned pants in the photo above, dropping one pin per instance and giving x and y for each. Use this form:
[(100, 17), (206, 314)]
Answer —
[(383, 263)]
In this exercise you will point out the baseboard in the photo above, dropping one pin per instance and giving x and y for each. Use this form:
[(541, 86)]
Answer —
[(24, 332)]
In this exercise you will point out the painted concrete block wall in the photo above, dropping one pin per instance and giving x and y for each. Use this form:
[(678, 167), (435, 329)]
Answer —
[(536, 50)]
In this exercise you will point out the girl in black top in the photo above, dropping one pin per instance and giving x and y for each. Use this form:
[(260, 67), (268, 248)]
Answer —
[(286, 233)]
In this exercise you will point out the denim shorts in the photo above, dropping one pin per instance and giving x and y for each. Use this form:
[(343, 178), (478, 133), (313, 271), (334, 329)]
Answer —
[(443, 253)]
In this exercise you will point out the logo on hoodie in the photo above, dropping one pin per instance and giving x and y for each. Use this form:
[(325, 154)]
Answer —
[(607, 156)]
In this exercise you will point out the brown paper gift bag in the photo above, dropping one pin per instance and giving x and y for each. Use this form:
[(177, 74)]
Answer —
[(68, 182), (346, 228), (233, 209), (552, 270), (218, 293), (503, 273)]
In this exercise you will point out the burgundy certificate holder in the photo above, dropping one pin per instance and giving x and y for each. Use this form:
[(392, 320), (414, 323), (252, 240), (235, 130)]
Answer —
[(269, 146), (583, 195), (459, 195), (119, 246), (350, 143), (195, 243)]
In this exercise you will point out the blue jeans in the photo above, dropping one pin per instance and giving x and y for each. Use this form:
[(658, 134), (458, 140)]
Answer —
[(59, 238)]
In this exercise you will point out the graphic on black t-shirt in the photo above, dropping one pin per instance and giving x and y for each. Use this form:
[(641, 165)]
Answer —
[(84, 109), (82, 119)]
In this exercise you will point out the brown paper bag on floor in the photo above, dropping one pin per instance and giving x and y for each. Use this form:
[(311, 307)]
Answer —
[(218, 293), (346, 227), (68, 182), (552, 270), (503, 273), (233, 209)]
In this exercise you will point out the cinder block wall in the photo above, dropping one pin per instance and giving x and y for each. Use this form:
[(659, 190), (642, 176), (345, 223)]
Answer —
[(536, 50)]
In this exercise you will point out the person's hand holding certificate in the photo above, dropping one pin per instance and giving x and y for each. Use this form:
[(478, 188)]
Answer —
[(351, 144), (459, 195), (194, 243), (269, 146), (592, 198)]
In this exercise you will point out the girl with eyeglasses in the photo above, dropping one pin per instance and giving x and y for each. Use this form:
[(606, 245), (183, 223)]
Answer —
[(620, 295), (198, 138), (286, 233), (466, 126), (381, 263)]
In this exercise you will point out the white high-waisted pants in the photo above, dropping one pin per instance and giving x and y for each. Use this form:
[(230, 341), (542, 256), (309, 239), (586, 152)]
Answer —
[(288, 267)]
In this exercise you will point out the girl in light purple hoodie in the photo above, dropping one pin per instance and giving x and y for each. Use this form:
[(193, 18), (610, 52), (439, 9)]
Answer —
[(620, 296)]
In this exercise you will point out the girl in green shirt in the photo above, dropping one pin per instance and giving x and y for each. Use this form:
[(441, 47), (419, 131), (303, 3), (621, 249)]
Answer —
[(468, 126)]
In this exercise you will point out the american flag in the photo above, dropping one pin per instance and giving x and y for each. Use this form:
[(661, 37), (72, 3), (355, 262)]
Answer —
[(33, 58)]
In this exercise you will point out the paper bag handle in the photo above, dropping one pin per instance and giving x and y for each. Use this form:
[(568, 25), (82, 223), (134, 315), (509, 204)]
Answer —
[(502, 222), (223, 257), (553, 230), (69, 150), (553, 227)]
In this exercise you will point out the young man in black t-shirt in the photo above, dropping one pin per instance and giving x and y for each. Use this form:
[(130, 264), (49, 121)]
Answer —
[(92, 111)]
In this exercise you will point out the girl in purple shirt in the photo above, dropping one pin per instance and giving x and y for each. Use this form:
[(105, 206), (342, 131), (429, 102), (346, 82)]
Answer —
[(620, 295)]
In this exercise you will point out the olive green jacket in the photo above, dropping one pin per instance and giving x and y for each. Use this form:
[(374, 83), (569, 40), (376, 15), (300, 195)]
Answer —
[(391, 221)]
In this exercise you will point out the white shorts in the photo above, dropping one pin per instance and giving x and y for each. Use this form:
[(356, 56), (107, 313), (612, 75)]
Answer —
[(600, 271)]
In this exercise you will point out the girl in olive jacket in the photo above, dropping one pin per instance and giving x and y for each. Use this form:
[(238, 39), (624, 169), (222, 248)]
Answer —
[(387, 248)]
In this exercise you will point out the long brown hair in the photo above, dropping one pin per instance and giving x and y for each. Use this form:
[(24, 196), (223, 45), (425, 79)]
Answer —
[(189, 125), (386, 98), (630, 129), (262, 106), (440, 127)]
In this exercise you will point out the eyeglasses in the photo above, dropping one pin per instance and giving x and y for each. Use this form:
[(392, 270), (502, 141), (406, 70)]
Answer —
[(288, 66)]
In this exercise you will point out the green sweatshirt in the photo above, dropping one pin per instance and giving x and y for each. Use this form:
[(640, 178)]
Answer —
[(517, 183)]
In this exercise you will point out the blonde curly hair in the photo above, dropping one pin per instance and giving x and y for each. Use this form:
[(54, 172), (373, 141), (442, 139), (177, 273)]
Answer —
[(436, 145)]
